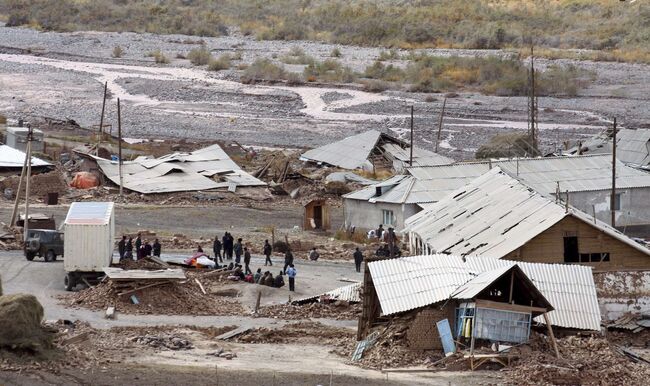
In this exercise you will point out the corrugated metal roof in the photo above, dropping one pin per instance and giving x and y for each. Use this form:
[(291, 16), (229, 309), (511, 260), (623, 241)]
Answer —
[(476, 285), (348, 153), (492, 216), (417, 281), (348, 293), (89, 213), (371, 191), (179, 172), (632, 146), (575, 174), (14, 158), (421, 157)]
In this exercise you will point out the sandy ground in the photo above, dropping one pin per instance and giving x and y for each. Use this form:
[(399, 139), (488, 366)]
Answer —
[(61, 75)]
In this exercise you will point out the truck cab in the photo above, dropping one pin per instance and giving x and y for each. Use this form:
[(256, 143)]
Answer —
[(44, 243)]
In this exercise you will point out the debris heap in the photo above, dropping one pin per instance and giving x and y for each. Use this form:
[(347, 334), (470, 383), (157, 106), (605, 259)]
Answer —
[(20, 324), (339, 310), (584, 360)]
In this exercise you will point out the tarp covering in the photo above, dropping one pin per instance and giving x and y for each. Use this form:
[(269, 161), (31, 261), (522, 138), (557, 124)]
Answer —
[(84, 180)]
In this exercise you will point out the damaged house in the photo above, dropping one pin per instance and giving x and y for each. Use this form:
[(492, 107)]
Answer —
[(203, 169), (632, 147), (12, 161), (498, 216), (372, 150), (480, 297), (587, 179)]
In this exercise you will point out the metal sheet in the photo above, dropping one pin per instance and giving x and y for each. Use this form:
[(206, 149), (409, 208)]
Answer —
[(348, 153), (349, 293), (179, 172), (421, 157), (632, 146), (417, 281), (14, 158)]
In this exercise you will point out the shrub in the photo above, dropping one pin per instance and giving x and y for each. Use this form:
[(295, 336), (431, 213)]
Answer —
[(294, 79), (199, 56), (375, 85), (263, 69), (222, 63), (336, 53), (329, 70), (297, 56), (159, 57), (117, 52), (388, 55)]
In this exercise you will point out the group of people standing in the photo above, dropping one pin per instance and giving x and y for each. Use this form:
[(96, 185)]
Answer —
[(142, 249)]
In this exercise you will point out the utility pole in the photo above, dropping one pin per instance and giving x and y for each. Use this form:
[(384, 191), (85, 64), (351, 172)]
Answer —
[(29, 174), (20, 188), (442, 114), (411, 157), (532, 129), (613, 198), (100, 132), (119, 144)]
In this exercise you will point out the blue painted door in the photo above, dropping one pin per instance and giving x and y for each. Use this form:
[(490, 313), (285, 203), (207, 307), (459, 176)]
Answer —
[(445, 335)]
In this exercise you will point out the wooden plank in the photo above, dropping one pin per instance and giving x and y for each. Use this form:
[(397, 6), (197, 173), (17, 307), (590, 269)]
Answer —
[(200, 286), (217, 273), (551, 335), (233, 333), (76, 339), (140, 274), (508, 307), (143, 287)]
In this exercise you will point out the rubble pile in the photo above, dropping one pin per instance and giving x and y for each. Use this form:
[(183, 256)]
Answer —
[(339, 310), (40, 184), (391, 348), (183, 298), (130, 264), (221, 353), (9, 238), (306, 332), (170, 342), (584, 360), (20, 324)]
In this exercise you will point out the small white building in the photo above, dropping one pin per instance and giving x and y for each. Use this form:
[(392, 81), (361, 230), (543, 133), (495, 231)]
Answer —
[(17, 138)]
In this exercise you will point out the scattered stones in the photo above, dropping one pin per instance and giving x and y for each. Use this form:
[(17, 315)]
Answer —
[(167, 341)]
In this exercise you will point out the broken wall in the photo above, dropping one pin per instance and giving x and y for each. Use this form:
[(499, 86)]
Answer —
[(623, 292), (634, 209)]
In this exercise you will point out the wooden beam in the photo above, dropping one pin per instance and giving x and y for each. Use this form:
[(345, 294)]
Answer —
[(508, 307), (512, 283), (551, 335), (200, 286)]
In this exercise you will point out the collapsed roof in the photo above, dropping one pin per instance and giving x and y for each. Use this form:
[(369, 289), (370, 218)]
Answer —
[(179, 172), (11, 158), (353, 152), (632, 146), (413, 282), (427, 184), (492, 216)]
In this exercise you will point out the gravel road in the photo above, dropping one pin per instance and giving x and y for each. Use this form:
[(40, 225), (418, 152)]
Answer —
[(61, 75)]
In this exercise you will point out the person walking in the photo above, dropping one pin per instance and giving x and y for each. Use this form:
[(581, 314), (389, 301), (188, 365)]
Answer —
[(121, 247), (247, 261), (239, 249), (288, 260), (291, 272), (267, 252), (358, 259), (138, 246), (156, 248), (216, 248)]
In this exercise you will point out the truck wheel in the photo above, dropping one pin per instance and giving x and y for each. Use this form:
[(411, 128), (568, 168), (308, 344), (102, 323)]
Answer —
[(29, 256), (50, 256), (69, 282)]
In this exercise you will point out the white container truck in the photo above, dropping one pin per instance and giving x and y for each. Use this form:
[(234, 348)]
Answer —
[(89, 234)]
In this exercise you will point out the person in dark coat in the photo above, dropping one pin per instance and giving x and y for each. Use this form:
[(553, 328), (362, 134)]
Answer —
[(157, 248), (216, 248), (278, 282), (129, 249), (247, 261), (238, 249), (288, 260), (224, 244), (146, 249), (358, 259), (267, 279), (138, 246), (268, 249), (121, 247)]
